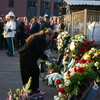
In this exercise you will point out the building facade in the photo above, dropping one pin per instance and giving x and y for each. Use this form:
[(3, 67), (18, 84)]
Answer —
[(31, 8)]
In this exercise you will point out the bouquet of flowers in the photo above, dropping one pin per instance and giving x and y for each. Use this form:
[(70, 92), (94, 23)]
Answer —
[(78, 46), (23, 94), (62, 41), (51, 78)]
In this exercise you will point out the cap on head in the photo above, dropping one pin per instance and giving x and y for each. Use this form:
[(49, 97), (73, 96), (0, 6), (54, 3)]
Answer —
[(46, 15), (11, 14)]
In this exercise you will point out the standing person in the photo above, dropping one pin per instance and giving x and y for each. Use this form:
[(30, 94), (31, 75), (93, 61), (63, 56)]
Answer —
[(46, 20), (4, 21), (29, 55), (9, 33), (42, 23), (60, 25), (16, 38), (27, 29), (35, 26)]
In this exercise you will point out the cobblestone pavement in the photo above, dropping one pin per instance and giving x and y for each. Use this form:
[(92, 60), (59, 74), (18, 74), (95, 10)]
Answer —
[(10, 76)]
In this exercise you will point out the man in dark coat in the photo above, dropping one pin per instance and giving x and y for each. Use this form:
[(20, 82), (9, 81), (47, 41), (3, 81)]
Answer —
[(35, 26), (29, 55), (19, 36)]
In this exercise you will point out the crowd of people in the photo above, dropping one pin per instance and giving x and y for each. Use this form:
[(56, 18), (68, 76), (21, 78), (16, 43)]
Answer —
[(15, 30)]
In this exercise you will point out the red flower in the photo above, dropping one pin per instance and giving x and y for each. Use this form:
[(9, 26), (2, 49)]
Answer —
[(58, 81), (92, 41), (85, 50), (66, 96), (82, 61), (89, 60), (75, 69), (68, 73), (80, 70), (62, 90)]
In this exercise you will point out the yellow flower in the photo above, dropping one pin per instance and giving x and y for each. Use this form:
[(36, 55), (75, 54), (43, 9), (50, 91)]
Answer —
[(96, 64), (90, 52), (96, 54), (93, 49)]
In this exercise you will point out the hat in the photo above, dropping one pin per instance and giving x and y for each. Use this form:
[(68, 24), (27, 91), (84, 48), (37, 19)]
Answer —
[(11, 14), (6, 16), (46, 15)]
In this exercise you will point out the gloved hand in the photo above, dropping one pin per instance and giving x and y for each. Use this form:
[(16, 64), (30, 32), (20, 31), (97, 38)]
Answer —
[(9, 30)]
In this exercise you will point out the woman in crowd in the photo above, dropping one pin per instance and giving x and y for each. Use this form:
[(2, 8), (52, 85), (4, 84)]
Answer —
[(27, 29), (29, 55)]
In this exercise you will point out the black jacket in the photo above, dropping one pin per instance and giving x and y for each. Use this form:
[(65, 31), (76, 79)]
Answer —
[(35, 28), (34, 49)]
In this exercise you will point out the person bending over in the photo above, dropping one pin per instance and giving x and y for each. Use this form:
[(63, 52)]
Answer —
[(29, 55)]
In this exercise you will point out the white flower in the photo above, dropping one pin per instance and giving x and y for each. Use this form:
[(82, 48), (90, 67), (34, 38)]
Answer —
[(86, 57), (78, 65), (67, 83), (72, 46), (65, 74), (56, 97), (60, 94), (53, 77), (72, 74), (60, 85)]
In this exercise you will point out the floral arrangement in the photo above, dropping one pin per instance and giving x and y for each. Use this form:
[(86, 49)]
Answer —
[(51, 78), (23, 94), (62, 40), (78, 46), (82, 74)]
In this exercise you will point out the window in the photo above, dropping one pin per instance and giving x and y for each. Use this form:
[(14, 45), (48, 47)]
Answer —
[(45, 7), (32, 8), (57, 5), (31, 4), (11, 3)]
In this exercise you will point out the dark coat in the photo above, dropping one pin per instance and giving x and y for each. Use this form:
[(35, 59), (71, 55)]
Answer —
[(43, 25), (35, 28), (35, 49), (29, 55)]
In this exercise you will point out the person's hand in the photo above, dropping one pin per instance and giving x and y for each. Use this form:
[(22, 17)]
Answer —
[(9, 30)]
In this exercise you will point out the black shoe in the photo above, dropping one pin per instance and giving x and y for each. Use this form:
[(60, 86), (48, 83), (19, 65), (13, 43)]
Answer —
[(10, 55), (36, 91)]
